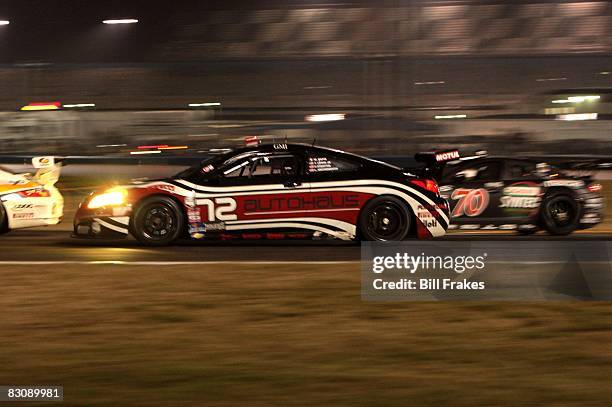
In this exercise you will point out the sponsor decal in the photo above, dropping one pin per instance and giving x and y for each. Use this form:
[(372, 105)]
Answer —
[(426, 217), (282, 146), (205, 227), (299, 203), (570, 183), (470, 202), (20, 207), (213, 226), (165, 187), (320, 164), (521, 195), (23, 216), (447, 155), (208, 168)]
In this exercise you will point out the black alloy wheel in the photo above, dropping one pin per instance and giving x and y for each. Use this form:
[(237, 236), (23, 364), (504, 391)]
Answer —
[(385, 219), (560, 214), (158, 221)]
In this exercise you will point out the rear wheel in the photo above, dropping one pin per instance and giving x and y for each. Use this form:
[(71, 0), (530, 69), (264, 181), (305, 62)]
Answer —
[(158, 221), (560, 214), (385, 218)]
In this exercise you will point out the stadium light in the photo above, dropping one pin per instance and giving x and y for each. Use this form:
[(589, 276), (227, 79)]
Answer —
[(207, 104), (121, 21), (450, 116), (4, 22), (577, 116), (38, 106), (578, 99), (329, 117)]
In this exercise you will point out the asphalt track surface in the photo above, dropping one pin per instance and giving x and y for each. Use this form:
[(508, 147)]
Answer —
[(34, 246)]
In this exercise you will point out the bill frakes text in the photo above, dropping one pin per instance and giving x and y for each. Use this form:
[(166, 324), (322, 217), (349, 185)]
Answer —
[(428, 284)]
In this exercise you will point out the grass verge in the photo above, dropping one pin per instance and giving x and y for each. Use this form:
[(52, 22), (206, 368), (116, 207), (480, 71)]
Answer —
[(288, 335)]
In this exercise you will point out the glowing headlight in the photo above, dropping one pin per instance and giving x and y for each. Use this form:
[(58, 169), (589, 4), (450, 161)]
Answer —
[(115, 196)]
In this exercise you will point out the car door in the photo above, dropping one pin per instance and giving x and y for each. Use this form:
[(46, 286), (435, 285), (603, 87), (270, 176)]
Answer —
[(266, 190), (473, 190), (522, 193), (335, 201)]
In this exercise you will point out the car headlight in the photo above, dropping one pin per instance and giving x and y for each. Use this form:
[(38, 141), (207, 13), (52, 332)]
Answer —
[(112, 197)]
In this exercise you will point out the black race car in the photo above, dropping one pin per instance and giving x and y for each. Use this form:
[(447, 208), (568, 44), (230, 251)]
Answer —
[(522, 194), (276, 191)]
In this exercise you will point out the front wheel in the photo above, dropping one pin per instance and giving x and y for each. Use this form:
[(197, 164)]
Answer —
[(385, 218), (158, 221), (560, 214), (3, 220)]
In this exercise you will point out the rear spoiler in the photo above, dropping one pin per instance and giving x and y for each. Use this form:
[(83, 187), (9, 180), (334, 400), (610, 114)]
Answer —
[(434, 162)]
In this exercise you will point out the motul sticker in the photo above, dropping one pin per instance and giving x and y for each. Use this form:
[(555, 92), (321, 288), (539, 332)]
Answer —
[(447, 156)]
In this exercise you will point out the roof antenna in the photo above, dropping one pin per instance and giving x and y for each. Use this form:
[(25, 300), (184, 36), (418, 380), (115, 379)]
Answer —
[(314, 140), (286, 140)]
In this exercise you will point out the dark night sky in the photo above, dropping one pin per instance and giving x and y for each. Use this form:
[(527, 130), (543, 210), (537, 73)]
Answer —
[(72, 31)]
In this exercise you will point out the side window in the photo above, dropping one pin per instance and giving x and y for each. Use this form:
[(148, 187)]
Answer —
[(319, 163), (488, 171), (520, 169), (263, 165)]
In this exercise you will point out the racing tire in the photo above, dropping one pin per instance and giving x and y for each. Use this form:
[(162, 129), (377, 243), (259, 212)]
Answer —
[(158, 221), (3, 220), (385, 218), (560, 214)]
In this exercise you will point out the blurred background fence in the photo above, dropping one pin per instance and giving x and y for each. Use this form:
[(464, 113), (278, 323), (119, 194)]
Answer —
[(406, 75)]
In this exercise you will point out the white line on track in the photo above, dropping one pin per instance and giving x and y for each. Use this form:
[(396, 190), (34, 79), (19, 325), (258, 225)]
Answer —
[(168, 263), (239, 262)]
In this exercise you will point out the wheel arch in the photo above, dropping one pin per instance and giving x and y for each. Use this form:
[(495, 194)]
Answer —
[(560, 190), (4, 226)]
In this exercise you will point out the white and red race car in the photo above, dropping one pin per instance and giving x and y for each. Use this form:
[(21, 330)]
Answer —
[(277, 191), (31, 200)]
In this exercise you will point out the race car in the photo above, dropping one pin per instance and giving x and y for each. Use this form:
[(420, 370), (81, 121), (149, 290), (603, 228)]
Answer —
[(29, 201), (276, 191), (509, 193)]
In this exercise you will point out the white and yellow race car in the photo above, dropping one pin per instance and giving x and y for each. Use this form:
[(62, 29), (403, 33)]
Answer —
[(31, 200)]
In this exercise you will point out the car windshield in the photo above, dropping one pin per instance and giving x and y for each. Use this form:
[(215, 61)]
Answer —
[(209, 161)]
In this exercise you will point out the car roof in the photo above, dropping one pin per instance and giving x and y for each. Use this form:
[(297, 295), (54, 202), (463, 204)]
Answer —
[(301, 147)]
